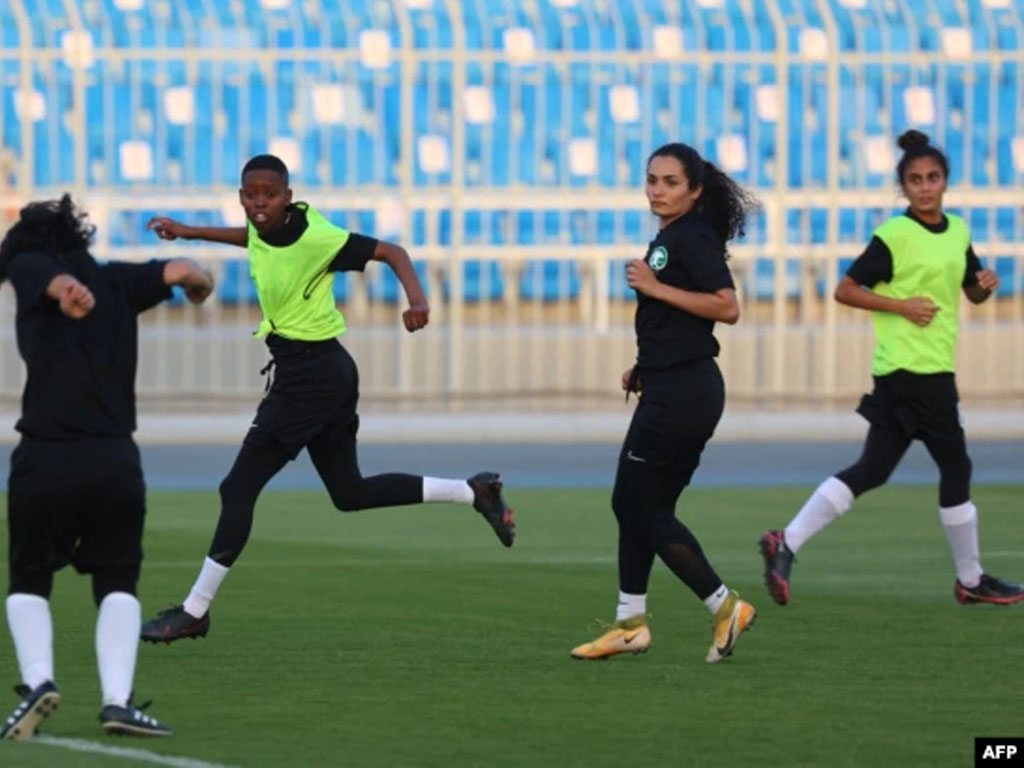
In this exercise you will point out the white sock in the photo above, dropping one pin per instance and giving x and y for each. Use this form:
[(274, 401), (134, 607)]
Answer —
[(440, 489), (28, 617), (205, 589), (961, 525), (117, 643), (715, 599), (630, 606), (831, 499)]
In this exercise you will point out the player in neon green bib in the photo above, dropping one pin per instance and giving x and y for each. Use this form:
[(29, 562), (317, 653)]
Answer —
[(910, 278), (312, 400)]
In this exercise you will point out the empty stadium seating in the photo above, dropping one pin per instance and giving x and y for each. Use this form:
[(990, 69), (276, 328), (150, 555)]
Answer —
[(321, 83)]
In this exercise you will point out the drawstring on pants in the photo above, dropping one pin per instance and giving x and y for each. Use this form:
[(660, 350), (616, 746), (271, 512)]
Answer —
[(634, 381), (268, 371)]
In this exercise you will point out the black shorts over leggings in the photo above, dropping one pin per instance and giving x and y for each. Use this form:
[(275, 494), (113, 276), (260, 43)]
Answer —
[(77, 502), (314, 386), (905, 406)]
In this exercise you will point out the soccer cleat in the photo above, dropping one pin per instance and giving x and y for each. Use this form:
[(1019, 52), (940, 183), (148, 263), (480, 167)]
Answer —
[(778, 559), (989, 590), (731, 620), (488, 501), (36, 705), (627, 636), (175, 624), (130, 720)]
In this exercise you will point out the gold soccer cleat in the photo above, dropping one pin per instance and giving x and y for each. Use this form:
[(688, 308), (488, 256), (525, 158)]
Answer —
[(731, 620), (627, 636)]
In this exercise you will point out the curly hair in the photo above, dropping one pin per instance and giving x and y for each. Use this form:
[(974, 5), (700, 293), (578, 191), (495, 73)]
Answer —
[(723, 203), (55, 227)]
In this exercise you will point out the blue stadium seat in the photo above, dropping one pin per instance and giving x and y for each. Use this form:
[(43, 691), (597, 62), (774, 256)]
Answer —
[(177, 297), (762, 284), (842, 265), (1010, 281), (341, 286), (549, 281), (1006, 224), (236, 285), (618, 288), (384, 286), (481, 281)]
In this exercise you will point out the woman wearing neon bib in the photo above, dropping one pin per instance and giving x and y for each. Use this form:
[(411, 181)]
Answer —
[(910, 278), (312, 400)]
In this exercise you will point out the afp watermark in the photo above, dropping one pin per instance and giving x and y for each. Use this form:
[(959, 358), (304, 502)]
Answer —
[(992, 751)]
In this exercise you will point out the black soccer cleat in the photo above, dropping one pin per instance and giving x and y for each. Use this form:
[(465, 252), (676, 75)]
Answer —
[(131, 721), (778, 559), (175, 624), (488, 501), (989, 590), (36, 705)]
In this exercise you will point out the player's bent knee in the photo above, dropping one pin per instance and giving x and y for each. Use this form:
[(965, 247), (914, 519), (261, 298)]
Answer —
[(350, 493), (348, 501), (860, 479)]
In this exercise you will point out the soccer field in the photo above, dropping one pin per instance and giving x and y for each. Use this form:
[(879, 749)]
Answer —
[(411, 637)]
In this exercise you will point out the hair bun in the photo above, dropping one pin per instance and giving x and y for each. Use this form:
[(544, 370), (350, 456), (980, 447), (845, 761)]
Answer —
[(912, 138)]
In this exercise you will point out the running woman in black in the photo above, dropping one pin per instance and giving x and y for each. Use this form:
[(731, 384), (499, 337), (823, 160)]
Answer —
[(76, 492), (311, 402), (910, 278), (683, 287)]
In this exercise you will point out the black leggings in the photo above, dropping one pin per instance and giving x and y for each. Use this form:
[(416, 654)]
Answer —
[(334, 455), (677, 414), (883, 450)]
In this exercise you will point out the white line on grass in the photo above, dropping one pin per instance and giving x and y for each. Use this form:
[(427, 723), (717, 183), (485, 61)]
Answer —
[(129, 753)]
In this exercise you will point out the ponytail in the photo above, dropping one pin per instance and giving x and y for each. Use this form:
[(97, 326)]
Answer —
[(723, 203)]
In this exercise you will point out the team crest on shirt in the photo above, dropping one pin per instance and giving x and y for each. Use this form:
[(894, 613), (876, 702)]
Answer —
[(658, 258)]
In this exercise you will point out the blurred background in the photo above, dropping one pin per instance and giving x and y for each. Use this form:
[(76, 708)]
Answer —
[(503, 142)]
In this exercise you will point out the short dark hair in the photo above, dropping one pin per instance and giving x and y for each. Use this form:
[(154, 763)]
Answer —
[(914, 145), (266, 163)]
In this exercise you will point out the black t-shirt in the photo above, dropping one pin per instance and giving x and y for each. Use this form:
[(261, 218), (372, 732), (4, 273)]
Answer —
[(686, 254), (351, 257), (81, 373), (874, 265)]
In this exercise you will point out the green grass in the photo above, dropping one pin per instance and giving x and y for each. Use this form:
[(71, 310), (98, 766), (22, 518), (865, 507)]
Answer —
[(411, 637)]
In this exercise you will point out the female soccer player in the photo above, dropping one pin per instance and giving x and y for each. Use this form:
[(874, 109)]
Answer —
[(909, 278), (683, 287), (76, 493), (311, 402)]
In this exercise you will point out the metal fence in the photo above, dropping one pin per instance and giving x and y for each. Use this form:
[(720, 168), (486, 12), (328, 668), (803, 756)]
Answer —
[(504, 144)]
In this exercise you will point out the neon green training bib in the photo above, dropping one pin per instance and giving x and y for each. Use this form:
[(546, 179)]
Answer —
[(924, 263), (294, 287)]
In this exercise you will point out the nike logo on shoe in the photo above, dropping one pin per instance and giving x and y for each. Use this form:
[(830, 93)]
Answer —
[(726, 649), (726, 631), (632, 457)]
